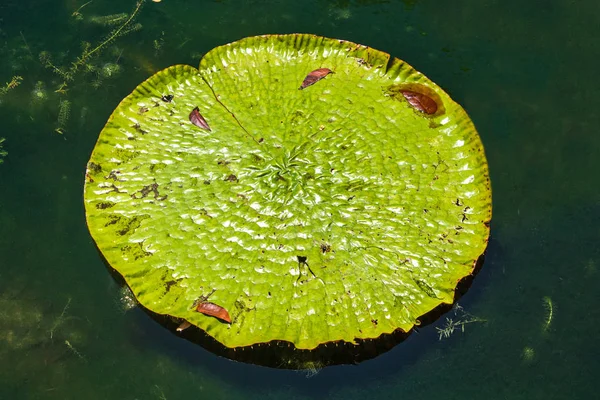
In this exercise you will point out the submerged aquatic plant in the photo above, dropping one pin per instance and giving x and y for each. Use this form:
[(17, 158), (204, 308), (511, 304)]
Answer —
[(528, 355), (126, 27), (64, 112), (126, 300), (108, 20), (109, 70), (39, 94), (549, 307), (461, 318), (338, 213), (126, 24), (3, 153), (10, 85)]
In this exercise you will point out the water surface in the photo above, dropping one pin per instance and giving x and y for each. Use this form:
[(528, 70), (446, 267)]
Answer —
[(526, 74)]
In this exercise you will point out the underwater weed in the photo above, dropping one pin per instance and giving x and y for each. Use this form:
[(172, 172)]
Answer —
[(38, 94), (64, 111), (13, 83), (122, 30), (46, 60), (311, 368), (159, 393), (549, 307), (527, 355), (88, 51), (158, 44), (453, 325), (108, 20), (3, 152)]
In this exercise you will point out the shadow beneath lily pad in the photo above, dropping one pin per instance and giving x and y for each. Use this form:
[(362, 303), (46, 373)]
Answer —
[(284, 355)]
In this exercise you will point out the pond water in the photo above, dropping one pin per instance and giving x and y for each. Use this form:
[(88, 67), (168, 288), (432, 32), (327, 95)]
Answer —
[(524, 71)]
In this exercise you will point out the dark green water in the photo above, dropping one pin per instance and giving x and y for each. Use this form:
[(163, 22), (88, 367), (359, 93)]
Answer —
[(525, 72)]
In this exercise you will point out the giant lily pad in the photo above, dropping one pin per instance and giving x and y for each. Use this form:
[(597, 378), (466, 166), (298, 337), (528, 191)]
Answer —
[(337, 212)]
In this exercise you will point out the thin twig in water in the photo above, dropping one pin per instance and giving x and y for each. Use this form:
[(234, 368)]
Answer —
[(61, 318), (162, 394), (76, 13), (26, 44), (74, 350), (119, 57)]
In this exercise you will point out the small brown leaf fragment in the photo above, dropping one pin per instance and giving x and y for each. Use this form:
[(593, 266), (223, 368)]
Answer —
[(214, 310), (315, 76), (184, 325), (420, 101), (197, 119)]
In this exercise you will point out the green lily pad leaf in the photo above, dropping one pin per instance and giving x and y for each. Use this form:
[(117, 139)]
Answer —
[(336, 213)]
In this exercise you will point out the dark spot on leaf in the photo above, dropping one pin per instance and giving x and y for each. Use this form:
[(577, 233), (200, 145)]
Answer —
[(114, 188), (135, 250), (94, 168), (325, 248), (113, 175), (167, 98), (123, 224), (169, 284), (426, 288), (362, 61), (104, 205), (137, 127), (302, 259), (142, 110), (146, 190), (231, 178)]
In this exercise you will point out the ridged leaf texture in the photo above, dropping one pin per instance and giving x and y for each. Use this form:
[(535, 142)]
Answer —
[(333, 213)]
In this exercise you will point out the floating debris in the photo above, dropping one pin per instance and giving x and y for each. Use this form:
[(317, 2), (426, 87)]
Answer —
[(420, 101), (315, 76), (214, 310), (184, 325), (197, 119)]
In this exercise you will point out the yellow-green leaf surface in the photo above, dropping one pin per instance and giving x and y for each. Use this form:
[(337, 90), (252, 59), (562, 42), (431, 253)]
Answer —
[(333, 213)]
